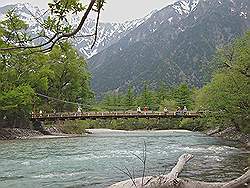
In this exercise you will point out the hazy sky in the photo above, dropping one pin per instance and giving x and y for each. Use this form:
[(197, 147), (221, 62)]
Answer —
[(115, 10)]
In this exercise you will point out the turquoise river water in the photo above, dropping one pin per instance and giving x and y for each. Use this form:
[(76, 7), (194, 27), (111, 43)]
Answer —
[(93, 161)]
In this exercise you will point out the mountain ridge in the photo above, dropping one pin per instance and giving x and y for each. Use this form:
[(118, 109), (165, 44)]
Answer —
[(172, 46)]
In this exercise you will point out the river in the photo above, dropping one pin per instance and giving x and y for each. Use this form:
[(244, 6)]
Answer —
[(93, 161)]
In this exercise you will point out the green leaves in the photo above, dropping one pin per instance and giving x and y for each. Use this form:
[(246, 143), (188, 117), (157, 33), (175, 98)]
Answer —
[(183, 96), (61, 74), (99, 5), (130, 96), (153, 99), (227, 97), (70, 80), (16, 99), (13, 28), (60, 9), (50, 23)]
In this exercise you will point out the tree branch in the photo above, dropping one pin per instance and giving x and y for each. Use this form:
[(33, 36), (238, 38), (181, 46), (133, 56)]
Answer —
[(96, 28), (244, 179), (179, 166), (57, 36), (171, 180)]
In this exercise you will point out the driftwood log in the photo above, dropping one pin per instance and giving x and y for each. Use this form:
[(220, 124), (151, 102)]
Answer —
[(171, 180)]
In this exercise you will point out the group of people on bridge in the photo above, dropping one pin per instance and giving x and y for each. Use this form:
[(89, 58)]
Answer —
[(145, 109), (179, 110)]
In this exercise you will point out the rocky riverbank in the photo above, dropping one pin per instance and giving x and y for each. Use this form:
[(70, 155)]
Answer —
[(232, 134), (54, 132), (17, 133)]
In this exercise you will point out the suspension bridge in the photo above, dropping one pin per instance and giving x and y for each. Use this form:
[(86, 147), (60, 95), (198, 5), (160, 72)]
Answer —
[(107, 114), (112, 115)]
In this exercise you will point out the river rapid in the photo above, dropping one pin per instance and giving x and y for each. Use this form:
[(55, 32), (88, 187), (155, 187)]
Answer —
[(95, 160)]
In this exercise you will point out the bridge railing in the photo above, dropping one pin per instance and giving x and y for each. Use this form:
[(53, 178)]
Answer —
[(113, 114)]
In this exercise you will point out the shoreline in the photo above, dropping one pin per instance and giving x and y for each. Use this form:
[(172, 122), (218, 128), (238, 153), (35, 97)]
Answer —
[(229, 134), (55, 136), (25, 134), (102, 130)]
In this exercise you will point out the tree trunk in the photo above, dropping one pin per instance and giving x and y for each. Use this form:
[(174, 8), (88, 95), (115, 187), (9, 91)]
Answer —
[(171, 180)]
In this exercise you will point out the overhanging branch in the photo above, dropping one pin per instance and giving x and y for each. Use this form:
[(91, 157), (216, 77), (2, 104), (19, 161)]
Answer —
[(48, 46)]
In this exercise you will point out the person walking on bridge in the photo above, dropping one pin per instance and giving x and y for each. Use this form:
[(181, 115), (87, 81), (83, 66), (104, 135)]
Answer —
[(138, 109), (184, 110), (165, 110), (79, 109), (41, 113)]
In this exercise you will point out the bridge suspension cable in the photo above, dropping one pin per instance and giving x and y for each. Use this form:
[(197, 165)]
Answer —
[(88, 106), (64, 101)]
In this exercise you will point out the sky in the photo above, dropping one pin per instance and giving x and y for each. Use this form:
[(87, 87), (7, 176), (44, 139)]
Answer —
[(114, 10)]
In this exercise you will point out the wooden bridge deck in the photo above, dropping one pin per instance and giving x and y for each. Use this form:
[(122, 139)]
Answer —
[(111, 115)]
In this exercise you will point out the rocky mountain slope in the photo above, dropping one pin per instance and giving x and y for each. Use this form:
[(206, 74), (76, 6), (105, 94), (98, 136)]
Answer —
[(174, 45)]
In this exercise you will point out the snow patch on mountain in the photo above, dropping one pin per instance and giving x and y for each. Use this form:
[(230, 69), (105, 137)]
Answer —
[(184, 7), (243, 14), (194, 4), (170, 19), (108, 34)]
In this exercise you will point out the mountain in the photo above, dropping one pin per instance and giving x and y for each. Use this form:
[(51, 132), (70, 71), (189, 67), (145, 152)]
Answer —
[(174, 45), (108, 33)]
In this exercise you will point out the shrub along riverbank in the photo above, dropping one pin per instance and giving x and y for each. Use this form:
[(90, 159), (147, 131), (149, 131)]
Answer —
[(120, 124)]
